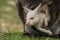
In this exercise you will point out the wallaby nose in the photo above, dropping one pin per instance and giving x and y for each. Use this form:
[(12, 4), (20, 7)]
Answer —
[(27, 24)]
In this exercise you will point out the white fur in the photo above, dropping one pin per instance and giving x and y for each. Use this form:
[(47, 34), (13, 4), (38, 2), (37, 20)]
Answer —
[(38, 17), (34, 15), (38, 20)]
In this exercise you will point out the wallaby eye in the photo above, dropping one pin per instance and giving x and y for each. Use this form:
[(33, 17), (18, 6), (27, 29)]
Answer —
[(31, 18), (42, 11)]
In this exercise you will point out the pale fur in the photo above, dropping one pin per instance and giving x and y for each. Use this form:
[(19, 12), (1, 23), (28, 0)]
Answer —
[(38, 20)]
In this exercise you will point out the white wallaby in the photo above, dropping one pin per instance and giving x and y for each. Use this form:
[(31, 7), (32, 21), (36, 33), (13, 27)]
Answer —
[(37, 16)]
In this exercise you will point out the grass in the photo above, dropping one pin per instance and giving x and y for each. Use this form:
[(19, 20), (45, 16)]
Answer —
[(11, 27), (19, 36)]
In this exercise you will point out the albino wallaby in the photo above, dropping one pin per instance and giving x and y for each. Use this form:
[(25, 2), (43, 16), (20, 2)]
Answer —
[(37, 16)]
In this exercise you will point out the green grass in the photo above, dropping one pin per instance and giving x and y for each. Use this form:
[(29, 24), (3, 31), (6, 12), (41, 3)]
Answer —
[(19, 36), (11, 25)]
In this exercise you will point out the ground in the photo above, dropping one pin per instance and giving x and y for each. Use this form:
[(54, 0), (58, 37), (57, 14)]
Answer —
[(19, 36), (11, 27)]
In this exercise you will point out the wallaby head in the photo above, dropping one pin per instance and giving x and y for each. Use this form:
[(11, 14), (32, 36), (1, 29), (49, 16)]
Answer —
[(38, 15)]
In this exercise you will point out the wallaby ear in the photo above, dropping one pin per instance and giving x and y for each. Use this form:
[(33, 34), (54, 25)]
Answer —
[(38, 8), (26, 9)]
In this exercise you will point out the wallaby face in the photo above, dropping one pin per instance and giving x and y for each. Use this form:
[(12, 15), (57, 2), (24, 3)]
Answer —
[(33, 18), (36, 16)]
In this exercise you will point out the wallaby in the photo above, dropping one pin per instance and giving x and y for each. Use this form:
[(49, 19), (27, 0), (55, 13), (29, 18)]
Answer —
[(37, 17)]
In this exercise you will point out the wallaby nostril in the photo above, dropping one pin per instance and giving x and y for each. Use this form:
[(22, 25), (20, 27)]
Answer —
[(27, 24)]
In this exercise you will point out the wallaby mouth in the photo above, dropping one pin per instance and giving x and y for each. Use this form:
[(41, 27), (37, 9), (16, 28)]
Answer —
[(28, 25)]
